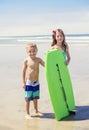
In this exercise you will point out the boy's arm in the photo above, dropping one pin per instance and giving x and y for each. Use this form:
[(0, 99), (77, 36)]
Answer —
[(24, 67), (42, 62)]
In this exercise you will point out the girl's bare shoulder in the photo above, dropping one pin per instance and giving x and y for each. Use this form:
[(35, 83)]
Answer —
[(53, 47)]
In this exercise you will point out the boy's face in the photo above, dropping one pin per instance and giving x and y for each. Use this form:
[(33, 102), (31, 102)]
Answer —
[(32, 52)]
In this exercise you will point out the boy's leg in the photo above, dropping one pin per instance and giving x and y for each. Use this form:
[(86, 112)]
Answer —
[(35, 102), (27, 110), (37, 113), (27, 107)]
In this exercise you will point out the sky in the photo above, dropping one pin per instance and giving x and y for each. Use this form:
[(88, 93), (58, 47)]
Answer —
[(40, 17)]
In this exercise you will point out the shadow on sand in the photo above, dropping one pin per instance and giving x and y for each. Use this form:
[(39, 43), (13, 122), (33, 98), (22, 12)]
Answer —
[(81, 113), (46, 115)]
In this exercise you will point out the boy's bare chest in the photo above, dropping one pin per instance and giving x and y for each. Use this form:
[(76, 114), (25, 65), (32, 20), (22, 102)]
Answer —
[(32, 64)]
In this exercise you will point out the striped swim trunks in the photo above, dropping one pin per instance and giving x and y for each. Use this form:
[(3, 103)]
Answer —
[(32, 90)]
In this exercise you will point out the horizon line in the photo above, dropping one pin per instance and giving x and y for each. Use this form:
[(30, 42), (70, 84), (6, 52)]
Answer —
[(36, 35)]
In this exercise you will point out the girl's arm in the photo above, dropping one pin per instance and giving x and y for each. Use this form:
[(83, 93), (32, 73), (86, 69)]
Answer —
[(68, 55)]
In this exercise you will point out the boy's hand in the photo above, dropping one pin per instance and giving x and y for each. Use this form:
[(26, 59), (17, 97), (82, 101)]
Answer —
[(23, 85)]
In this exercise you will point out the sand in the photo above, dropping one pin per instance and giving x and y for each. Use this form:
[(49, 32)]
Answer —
[(12, 104)]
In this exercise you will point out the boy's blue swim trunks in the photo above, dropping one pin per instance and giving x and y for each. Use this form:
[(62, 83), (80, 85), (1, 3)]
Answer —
[(32, 90)]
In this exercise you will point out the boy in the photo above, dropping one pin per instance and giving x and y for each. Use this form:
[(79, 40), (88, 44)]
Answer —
[(30, 78)]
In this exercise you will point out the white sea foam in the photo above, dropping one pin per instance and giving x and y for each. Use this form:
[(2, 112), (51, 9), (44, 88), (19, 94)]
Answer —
[(43, 38)]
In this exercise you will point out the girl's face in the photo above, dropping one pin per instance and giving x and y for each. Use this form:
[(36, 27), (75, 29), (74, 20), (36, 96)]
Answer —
[(59, 37)]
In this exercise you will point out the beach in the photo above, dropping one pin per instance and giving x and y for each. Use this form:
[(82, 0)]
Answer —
[(12, 103)]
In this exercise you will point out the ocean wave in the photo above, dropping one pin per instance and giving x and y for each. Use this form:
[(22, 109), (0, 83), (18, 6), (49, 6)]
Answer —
[(44, 38)]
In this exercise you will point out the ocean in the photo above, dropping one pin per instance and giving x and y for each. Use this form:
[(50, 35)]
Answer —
[(70, 38)]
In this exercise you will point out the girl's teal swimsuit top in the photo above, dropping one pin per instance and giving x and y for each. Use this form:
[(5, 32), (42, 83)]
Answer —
[(64, 54)]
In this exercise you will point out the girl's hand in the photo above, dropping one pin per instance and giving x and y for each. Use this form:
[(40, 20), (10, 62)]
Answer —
[(66, 62)]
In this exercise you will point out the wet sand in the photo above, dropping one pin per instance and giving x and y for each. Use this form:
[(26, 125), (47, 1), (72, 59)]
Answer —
[(12, 104)]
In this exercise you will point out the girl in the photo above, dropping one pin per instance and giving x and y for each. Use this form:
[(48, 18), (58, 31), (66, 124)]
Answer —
[(60, 43)]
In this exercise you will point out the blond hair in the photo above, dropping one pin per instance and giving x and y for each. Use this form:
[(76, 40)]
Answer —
[(31, 46)]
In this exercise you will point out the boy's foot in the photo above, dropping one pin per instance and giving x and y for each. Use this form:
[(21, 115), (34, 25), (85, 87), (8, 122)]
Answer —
[(28, 116), (38, 114)]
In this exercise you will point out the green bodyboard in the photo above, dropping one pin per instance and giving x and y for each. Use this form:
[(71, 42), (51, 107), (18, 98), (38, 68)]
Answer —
[(59, 84)]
